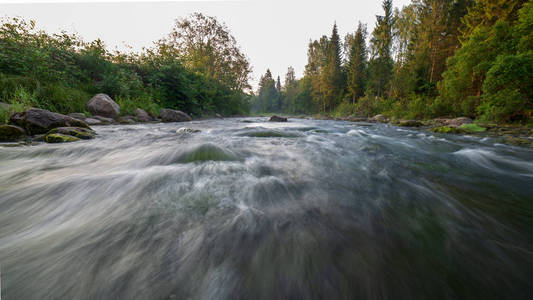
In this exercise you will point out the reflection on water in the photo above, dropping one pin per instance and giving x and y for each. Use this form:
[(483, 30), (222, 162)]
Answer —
[(254, 210)]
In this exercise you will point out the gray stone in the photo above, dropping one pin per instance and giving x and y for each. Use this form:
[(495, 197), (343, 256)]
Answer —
[(36, 121), (104, 120), (126, 120), (277, 119), (92, 121), (78, 116), (142, 115), (103, 105), (170, 115)]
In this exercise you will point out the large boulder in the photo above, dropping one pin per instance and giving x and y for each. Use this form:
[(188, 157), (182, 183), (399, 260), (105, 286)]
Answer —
[(10, 133), (103, 105), (142, 116), (170, 115), (277, 119), (37, 121)]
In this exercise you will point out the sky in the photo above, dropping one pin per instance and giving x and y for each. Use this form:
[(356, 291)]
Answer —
[(272, 33)]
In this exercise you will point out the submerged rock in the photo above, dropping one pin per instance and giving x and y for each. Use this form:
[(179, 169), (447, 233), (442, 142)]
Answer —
[(82, 133), (184, 130), (60, 138), (171, 115), (37, 121), (207, 152), (410, 123), (9, 133), (518, 141), (277, 119), (103, 105)]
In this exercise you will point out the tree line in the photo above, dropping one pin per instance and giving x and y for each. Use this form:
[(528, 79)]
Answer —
[(430, 58), (198, 68)]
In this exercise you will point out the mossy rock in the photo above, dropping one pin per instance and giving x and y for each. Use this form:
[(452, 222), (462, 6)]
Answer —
[(60, 138), (473, 128), (409, 123), (10, 133), (447, 129), (81, 133)]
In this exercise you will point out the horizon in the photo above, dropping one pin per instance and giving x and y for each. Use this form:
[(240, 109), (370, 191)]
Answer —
[(120, 29)]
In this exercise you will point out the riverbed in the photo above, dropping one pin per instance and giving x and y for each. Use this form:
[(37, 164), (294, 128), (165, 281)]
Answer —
[(242, 208)]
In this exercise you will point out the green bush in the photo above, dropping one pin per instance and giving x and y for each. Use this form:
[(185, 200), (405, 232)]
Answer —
[(507, 89)]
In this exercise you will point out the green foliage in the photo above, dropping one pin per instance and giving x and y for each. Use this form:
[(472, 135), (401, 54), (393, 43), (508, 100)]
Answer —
[(61, 72), (507, 89)]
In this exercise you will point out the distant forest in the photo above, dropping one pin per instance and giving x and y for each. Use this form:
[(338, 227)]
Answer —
[(429, 59)]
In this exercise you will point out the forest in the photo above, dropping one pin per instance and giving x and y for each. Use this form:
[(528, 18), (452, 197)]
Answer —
[(432, 58), (197, 68)]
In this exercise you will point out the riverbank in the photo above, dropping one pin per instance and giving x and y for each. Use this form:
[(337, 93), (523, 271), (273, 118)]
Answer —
[(510, 134)]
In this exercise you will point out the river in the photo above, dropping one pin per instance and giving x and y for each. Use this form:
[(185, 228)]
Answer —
[(247, 209)]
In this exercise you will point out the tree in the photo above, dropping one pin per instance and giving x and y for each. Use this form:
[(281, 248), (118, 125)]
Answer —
[(381, 64), (357, 64), (206, 45), (332, 77), (267, 95)]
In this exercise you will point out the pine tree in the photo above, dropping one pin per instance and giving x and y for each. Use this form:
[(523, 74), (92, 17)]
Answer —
[(332, 78), (357, 64), (381, 64)]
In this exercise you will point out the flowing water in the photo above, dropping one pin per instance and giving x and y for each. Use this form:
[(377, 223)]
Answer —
[(246, 209)]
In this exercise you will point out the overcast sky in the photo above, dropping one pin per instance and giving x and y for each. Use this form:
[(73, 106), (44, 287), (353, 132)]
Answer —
[(272, 33)]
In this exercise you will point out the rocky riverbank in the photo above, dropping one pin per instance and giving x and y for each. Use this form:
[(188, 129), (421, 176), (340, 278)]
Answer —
[(38, 125), (506, 134)]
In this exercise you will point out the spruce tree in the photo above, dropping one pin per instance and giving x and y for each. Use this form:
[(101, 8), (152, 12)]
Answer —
[(357, 64)]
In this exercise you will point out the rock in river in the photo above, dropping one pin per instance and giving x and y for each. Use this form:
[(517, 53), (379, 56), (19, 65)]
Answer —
[(82, 133), (410, 123), (60, 138), (10, 133), (170, 115), (37, 121), (277, 119), (103, 105)]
